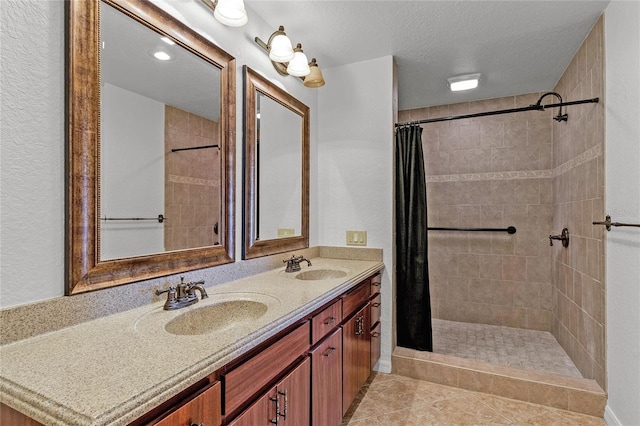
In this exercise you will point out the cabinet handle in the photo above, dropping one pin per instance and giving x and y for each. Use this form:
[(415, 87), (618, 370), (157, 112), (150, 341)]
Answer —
[(286, 405), (329, 351), (376, 284), (197, 424), (377, 304), (277, 401), (375, 334), (359, 325), (329, 320)]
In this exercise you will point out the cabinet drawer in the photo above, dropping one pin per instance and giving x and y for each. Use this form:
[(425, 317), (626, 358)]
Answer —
[(376, 307), (204, 409), (247, 379), (326, 321), (355, 298), (376, 284)]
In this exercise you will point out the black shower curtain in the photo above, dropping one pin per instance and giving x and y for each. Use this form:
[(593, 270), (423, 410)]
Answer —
[(413, 304)]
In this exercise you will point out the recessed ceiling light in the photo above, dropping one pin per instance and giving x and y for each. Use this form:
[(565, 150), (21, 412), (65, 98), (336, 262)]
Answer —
[(168, 41), (463, 82), (162, 56)]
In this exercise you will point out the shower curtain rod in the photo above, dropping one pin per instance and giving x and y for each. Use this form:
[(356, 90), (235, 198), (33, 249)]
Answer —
[(535, 107)]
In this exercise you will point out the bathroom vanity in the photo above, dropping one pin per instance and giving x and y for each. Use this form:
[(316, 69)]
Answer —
[(269, 348)]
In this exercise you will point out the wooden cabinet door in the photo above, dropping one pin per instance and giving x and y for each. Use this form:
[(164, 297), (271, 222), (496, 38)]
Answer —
[(261, 413), (287, 403), (326, 381), (349, 361), (355, 347), (375, 344), (294, 394), (204, 409), (364, 347)]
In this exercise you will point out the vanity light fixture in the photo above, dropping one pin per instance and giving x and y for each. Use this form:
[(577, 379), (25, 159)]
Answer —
[(314, 79), (463, 82), (279, 46), (228, 12), (291, 61), (299, 65)]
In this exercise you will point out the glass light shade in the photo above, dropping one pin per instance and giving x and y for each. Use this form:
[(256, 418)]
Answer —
[(280, 49), (464, 82), (314, 79), (299, 65), (231, 13)]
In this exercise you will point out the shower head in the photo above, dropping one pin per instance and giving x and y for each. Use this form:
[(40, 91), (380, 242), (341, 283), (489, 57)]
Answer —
[(560, 117)]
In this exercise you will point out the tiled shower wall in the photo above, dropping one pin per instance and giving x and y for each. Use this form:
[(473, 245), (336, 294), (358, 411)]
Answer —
[(192, 181), (539, 175), (492, 172), (578, 161)]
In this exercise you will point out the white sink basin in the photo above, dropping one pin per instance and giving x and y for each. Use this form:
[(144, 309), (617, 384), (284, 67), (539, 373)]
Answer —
[(237, 311), (320, 274), (216, 317)]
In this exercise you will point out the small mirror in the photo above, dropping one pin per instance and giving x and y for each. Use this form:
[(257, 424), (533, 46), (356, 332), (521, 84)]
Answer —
[(151, 122), (276, 191)]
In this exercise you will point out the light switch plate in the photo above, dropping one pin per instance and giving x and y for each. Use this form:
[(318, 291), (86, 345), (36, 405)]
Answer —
[(356, 238), (285, 232)]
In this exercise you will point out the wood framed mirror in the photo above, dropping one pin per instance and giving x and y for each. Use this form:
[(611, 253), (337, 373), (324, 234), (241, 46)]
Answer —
[(276, 169), (191, 146)]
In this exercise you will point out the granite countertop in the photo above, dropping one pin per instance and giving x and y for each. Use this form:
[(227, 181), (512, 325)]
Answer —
[(112, 370)]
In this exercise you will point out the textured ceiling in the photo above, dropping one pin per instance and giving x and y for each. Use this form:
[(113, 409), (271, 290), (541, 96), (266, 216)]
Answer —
[(186, 81), (518, 46)]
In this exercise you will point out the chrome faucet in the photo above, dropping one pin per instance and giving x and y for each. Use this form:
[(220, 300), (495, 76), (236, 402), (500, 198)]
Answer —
[(184, 294), (293, 263)]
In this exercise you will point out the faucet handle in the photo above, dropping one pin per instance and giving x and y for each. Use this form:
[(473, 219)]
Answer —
[(172, 297), (171, 290)]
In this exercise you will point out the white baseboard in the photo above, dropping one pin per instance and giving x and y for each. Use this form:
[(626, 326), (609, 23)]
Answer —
[(383, 366), (610, 418)]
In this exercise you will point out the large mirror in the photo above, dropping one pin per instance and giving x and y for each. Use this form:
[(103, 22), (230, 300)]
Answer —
[(276, 179), (151, 131)]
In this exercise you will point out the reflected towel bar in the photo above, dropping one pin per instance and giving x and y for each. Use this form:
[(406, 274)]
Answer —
[(509, 230), (609, 224), (194, 147), (160, 218)]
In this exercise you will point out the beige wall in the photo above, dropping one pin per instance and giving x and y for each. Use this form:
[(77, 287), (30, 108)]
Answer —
[(490, 172), (192, 181), (578, 160)]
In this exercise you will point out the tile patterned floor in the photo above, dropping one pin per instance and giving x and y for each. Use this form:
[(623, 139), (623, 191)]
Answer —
[(513, 347), (393, 400)]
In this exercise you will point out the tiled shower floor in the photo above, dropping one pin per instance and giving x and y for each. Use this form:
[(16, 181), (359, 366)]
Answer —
[(513, 347)]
